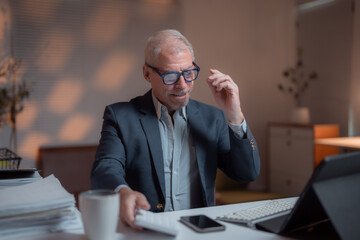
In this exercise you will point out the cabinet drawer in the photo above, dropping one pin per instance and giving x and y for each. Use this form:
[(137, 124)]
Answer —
[(287, 185), (302, 172), (292, 132), (292, 154)]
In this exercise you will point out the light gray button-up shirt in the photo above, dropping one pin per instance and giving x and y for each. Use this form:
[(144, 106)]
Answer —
[(182, 179)]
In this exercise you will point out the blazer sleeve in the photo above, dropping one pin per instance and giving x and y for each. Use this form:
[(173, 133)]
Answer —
[(238, 157), (108, 171)]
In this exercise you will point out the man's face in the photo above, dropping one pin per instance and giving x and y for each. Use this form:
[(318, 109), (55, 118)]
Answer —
[(174, 96)]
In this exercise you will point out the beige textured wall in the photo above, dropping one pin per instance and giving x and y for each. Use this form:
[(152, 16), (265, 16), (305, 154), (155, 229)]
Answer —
[(253, 42), (325, 34)]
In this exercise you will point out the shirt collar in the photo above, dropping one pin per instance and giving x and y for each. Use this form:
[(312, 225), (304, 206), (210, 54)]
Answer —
[(157, 105)]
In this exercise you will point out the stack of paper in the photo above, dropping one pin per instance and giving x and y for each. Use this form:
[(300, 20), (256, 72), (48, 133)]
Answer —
[(38, 207), (16, 177)]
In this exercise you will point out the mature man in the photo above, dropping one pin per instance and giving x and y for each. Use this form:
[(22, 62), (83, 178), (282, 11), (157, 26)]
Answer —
[(161, 151)]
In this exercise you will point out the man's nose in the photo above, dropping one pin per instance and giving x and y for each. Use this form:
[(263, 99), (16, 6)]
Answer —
[(181, 83)]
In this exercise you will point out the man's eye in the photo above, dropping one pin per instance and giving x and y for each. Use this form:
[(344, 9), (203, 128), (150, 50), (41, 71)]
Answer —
[(171, 76)]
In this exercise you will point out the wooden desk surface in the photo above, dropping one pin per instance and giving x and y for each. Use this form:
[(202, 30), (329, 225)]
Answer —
[(343, 142)]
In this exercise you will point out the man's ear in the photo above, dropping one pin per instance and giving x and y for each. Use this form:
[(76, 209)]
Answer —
[(146, 73)]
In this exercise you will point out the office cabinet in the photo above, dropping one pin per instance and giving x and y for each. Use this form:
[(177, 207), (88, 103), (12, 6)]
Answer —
[(293, 155)]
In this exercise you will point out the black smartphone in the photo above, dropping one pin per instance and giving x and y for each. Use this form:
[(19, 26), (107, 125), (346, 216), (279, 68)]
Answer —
[(202, 223)]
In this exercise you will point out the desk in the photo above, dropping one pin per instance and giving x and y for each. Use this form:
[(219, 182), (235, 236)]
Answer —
[(233, 231), (342, 142)]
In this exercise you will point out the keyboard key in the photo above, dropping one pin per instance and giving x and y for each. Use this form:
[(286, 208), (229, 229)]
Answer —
[(248, 216)]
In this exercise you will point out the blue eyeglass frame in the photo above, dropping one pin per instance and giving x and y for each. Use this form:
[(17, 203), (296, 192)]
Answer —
[(162, 75)]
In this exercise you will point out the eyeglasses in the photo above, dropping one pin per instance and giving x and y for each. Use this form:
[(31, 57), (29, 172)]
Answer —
[(171, 78)]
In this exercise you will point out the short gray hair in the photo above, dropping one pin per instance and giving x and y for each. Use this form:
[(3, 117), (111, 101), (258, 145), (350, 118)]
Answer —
[(154, 44)]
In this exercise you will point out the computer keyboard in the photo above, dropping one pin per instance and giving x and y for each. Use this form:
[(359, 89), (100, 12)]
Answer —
[(156, 222), (252, 215)]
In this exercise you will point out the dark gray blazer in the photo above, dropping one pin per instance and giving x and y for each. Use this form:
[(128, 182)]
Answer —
[(130, 151)]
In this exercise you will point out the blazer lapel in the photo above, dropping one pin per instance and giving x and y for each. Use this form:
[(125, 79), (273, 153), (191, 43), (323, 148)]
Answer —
[(151, 128)]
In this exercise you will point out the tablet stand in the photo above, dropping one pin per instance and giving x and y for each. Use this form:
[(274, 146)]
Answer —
[(340, 198)]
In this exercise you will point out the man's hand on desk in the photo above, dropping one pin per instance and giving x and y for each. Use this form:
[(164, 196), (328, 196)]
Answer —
[(129, 201)]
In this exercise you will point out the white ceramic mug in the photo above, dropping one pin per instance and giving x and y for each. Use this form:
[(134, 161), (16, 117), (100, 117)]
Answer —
[(99, 211)]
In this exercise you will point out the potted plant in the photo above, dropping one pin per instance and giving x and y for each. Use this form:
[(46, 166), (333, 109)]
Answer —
[(297, 82), (12, 96)]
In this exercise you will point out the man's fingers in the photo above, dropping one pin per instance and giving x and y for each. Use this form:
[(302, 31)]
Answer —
[(127, 212), (212, 70), (128, 218), (130, 201), (142, 202), (218, 78), (222, 82)]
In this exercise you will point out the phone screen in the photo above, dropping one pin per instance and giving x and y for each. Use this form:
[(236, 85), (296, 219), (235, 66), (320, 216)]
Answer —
[(202, 223)]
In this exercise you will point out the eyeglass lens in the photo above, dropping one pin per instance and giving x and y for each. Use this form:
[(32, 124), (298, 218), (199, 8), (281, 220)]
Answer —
[(189, 75)]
